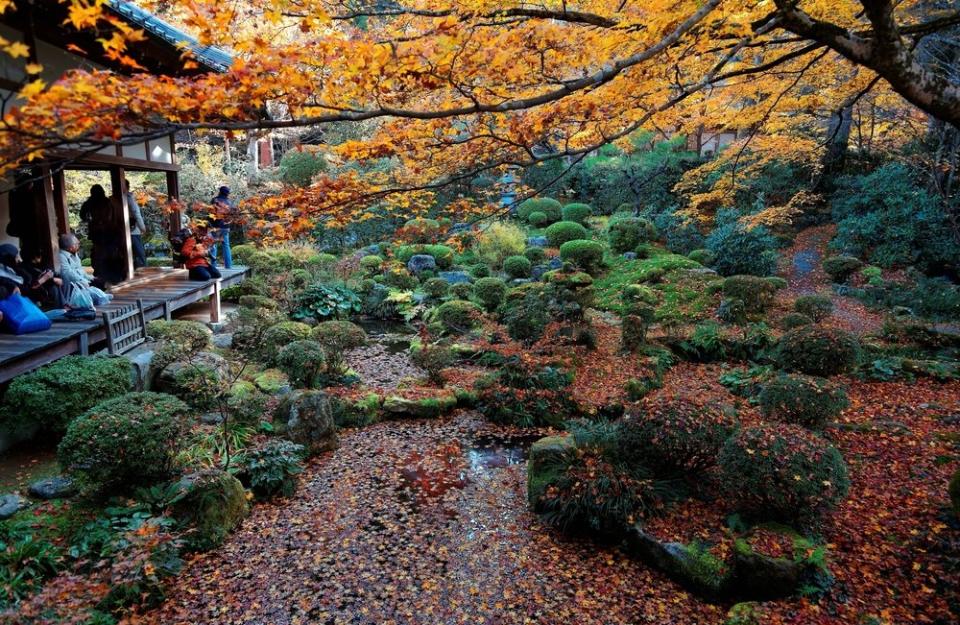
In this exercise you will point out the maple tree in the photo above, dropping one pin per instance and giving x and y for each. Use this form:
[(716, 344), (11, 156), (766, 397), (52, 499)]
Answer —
[(463, 88)]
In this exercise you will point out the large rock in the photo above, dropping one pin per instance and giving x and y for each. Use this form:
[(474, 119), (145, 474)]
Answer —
[(455, 277), (309, 419), (170, 380), (142, 363), (539, 241), (224, 340), (211, 502), (419, 263), (555, 263), (58, 487), (396, 407), (545, 455), (10, 505)]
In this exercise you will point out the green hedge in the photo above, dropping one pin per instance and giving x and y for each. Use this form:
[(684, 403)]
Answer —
[(563, 231)]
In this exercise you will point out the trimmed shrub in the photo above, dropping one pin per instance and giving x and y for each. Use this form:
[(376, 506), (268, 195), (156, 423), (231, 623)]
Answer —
[(535, 254), (436, 288), (674, 436), (191, 336), (303, 362), (577, 212), (253, 302), (782, 472), (517, 266), (795, 320), (840, 268), (742, 250), (124, 442), (626, 233), (434, 358), (777, 282), (273, 468), (53, 395), (563, 231), (337, 337), (371, 264), (802, 400), (278, 336), (299, 167), (756, 293), (399, 278), (462, 290), (441, 253), (500, 240), (817, 307), (818, 351), (551, 208), (588, 255), (480, 271), (702, 256), (456, 316), (538, 219), (489, 292)]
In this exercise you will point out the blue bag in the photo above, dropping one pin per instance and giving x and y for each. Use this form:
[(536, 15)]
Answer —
[(21, 316)]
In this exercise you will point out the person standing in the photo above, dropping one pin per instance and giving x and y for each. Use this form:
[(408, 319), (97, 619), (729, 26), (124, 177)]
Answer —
[(105, 232), (222, 213), (137, 228)]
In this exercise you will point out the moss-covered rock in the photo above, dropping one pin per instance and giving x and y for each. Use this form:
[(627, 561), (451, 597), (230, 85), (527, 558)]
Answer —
[(309, 418), (545, 455), (212, 503), (271, 381), (395, 407)]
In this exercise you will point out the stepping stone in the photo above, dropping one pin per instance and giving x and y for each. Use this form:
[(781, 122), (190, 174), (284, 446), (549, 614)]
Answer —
[(10, 505), (58, 487)]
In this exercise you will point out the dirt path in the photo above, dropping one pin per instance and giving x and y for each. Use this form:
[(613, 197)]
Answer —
[(417, 522), (801, 266)]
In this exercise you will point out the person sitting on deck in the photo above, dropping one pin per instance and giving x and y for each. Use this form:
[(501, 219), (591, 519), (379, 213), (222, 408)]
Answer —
[(196, 252), (76, 280), (40, 284)]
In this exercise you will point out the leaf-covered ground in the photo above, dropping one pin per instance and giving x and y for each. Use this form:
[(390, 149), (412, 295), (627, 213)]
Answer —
[(426, 522)]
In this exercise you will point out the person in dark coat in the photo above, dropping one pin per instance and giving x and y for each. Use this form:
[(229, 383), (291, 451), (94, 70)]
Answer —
[(106, 234), (38, 283)]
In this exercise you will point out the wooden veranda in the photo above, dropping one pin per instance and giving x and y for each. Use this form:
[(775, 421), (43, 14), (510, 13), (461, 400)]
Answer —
[(162, 291)]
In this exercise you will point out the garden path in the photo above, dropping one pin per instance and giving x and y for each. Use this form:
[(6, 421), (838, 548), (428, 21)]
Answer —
[(800, 265)]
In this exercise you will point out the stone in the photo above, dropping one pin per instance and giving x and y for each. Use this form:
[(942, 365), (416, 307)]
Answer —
[(167, 380), (10, 505), (142, 363), (309, 418), (271, 381), (211, 418), (223, 340), (537, 271), (458, 228), (419, 263), (555, 263), (537, 241), (58, 487), (396, 407), (211, 503), (455, 277), (520, 281), (629, 255)]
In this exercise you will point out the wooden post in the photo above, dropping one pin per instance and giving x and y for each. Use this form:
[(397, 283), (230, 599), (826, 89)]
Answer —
[(215, 302), (60, 202), (173, 194), (117, 175), (47, 221)]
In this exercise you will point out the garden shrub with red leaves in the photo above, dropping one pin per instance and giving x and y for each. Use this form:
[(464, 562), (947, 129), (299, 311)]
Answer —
[(817, 350), (669, 435), (782, 472), (802, 400), (523, 394)]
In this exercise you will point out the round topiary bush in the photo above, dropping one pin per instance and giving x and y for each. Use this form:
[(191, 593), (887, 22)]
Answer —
[(489, 292), (563, 231), (456, 316), (626, 233), (782, 472), (670, 435), (371, 264), (255, 302), (818, 351), (802, 400), (517, 266), (538, 219), (191, 336), (480, 270), (588, 255), (702, 256), (739, 250), (840, 268), (817, 307), (303, 362), (53, 395), (277, 336), (577, 212), (299, 167), (795, 320), (461, 291), (551, 208), (535, 254), (125, 442), (336, 338), (756, 293), (436, 288)]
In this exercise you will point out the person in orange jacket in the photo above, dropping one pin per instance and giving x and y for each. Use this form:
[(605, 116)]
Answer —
[(196, 252)]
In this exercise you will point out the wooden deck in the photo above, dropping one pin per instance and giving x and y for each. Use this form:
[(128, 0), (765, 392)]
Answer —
[(163, 291)]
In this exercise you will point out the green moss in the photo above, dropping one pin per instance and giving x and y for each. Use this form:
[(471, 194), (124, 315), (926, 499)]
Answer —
[(212, 503), (703, 569)]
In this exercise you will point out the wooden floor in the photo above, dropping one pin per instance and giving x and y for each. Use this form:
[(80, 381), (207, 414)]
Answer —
[(162, 290)]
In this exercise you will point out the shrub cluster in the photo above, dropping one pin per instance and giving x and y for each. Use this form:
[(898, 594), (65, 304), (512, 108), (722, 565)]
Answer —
[(782, 472), (674, 436), (278, 336), (456, 316), (436, 288), (819, 351), (192, 336), (517, 266), (795, 320), (273, 468), (524, 395), (441, 253), (577, 212), (817, 307), (550, 208), (802, 400), (625, 233), (336, 338), (587, 255), (756, 293), (563, 231), (742, 250), (489, 292), (840, 268), (124, 442), (535, 254), (303, 362)]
